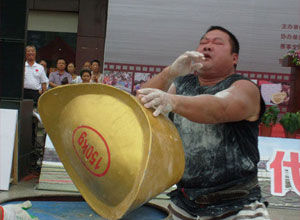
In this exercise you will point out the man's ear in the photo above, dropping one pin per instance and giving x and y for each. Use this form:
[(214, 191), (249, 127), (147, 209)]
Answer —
[(235, 57)]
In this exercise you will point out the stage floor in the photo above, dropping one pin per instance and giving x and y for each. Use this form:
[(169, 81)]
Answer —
[(288, 208), (26, 190), (57, 210)]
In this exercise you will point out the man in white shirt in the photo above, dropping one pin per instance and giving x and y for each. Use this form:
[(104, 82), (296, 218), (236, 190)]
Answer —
[(35, 79)]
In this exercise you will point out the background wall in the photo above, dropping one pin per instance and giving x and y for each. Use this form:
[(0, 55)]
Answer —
[(156, 32), (52, 21)]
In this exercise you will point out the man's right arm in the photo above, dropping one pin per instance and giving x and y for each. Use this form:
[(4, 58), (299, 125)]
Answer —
[(44, 81), (161, 81), (184, 64), (52, 84)]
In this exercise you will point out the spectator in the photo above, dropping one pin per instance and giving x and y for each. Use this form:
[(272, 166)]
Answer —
[(86, 65), (35, 79), (72, 70), (55, 78), (85, 75), (44, 64), (52, 69), (97, 76)]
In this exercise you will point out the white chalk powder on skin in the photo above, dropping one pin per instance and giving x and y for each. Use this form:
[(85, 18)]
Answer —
[(222, 94)]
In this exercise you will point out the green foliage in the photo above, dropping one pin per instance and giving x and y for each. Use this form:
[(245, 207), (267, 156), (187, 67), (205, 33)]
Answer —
[(295, 55), (290, 122), (270, 116)]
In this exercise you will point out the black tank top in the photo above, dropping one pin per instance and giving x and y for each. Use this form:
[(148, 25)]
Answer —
[(218, 156)]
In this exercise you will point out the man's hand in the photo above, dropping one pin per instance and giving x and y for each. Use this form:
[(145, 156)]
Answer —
[(156, 99), (186, 63), (94, 78)]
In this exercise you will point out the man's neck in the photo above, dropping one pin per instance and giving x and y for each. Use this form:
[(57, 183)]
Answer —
[(30, 62), (210, 81), (61, 72)]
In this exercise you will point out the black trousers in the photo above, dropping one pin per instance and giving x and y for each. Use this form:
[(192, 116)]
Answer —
[(32, 94)]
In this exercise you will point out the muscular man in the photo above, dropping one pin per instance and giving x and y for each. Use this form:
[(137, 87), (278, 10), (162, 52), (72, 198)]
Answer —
[(35, 79), (217, 114)]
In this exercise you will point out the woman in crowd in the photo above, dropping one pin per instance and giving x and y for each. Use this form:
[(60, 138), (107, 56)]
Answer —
[(97, 76), (72, 70), (44, 64)]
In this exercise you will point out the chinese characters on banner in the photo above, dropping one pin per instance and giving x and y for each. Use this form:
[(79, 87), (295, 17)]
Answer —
[(290, 37), (282, 161)]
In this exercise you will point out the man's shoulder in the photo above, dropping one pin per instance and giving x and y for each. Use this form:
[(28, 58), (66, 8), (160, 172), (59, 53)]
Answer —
[(39, 66), (236, 76), (66, 74), (55, 73), (233, 78), (35, 65)]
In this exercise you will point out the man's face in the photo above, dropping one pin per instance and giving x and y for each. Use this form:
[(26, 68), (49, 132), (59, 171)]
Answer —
[(86, 65), (95, 67), (30, 54), (216, 47), (61, 65)]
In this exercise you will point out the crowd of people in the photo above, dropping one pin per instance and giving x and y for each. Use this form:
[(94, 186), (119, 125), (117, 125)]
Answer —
[(38, 77)]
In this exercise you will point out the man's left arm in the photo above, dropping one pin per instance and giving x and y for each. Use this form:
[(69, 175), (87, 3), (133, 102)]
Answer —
[(44, 81), (239, 102)]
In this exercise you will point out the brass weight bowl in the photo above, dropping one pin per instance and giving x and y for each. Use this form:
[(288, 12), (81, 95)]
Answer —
[(117, 154)]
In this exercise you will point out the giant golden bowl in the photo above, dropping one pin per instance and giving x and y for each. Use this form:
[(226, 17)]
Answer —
[(117, 154)]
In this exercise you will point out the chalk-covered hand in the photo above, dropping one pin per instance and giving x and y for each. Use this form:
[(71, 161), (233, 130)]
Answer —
[(17, 211), (186, 63), (156, 99)]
